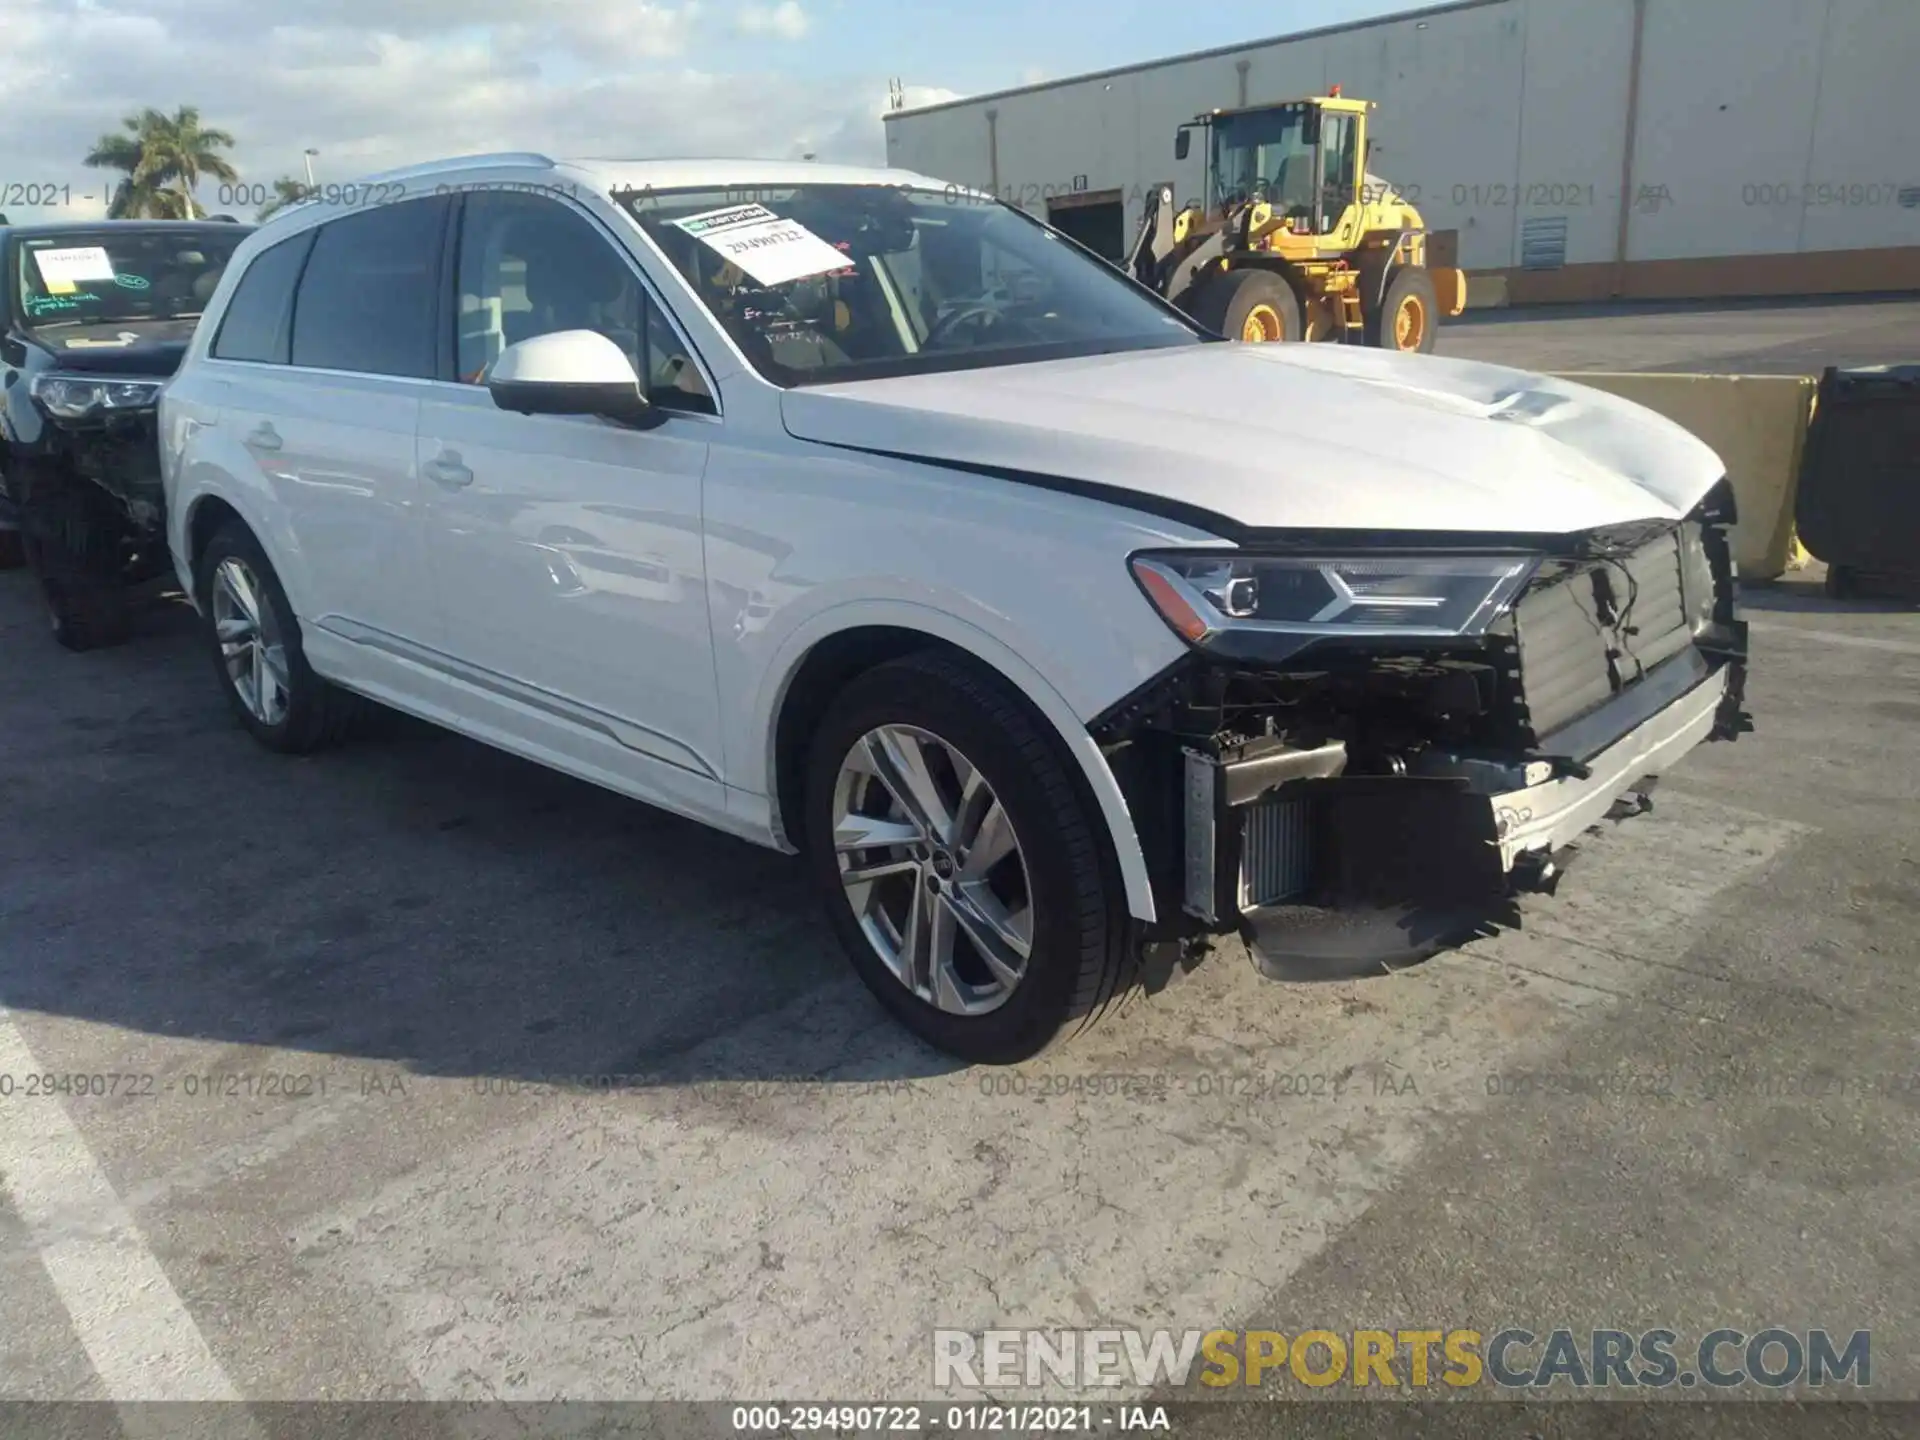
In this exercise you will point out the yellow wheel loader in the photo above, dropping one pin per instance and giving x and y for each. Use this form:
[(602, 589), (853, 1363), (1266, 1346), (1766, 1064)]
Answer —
[(1293, 240)]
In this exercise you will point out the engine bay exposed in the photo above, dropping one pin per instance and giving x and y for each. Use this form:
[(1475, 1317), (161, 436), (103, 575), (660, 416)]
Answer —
[(1598, 640)]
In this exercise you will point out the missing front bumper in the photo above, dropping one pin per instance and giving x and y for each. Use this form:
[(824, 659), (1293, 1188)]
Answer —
[(1326, 873)]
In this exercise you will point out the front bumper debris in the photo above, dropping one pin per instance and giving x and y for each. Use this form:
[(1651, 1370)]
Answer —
[(1327, 874)]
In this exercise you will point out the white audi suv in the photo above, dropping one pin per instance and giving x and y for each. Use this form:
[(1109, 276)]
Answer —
[(864, 517)]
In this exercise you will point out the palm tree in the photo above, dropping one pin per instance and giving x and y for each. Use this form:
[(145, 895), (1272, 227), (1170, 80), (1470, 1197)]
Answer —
[(287, 190), (140, 195), (164, 157)]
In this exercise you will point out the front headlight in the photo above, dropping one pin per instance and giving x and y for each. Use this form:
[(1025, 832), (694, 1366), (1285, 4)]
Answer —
[(1216, 599), (74, 397)]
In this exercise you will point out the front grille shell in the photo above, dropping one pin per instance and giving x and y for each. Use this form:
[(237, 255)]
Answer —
[(1585, 631)]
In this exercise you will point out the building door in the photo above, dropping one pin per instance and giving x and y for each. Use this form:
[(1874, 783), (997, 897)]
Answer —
[(1096, 218)]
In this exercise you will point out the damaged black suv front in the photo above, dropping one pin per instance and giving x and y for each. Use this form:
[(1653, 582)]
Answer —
[(97, 317)]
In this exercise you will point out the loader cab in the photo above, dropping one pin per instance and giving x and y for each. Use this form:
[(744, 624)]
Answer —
[(1303, 158)]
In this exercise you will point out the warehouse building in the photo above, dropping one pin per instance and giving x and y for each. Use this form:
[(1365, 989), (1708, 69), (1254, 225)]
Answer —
[(1574, 149)]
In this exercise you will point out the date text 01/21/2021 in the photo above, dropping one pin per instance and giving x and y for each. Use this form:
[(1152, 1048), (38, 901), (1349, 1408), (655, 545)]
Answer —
[(231, 1085), (880, 1419)]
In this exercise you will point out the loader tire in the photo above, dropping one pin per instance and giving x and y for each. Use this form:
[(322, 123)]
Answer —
[(1408, 319), (1256, 306)]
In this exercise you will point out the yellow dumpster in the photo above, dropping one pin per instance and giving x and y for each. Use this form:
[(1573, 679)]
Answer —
[(1758, 426)]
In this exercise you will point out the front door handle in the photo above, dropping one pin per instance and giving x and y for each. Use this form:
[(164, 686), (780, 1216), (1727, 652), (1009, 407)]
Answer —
[(446, 469), (264, 437)]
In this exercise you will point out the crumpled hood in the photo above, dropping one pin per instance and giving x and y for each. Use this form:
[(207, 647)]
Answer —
[(117, 347), (1292, 437)]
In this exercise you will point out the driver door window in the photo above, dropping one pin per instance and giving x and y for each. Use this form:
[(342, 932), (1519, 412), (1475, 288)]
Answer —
[(1339, 151), (529, 266)]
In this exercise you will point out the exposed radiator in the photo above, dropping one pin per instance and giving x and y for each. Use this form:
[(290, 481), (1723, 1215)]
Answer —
[(1273, 852)]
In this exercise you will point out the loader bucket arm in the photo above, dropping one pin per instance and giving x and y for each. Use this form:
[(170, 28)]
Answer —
[(1164, 259), (1154, 244), (1193, 265)]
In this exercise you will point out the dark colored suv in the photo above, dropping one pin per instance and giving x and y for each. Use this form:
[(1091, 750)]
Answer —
[(96, 318)]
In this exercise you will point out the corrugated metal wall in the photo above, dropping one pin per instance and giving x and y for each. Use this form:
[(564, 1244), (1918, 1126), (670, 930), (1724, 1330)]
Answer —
[(1762, 127)]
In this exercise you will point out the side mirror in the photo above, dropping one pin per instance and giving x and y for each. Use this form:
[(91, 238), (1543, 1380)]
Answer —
[(1182, 143), (570, 372)]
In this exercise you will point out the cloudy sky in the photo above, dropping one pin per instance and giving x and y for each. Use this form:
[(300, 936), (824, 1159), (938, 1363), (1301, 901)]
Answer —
[(377, 83)]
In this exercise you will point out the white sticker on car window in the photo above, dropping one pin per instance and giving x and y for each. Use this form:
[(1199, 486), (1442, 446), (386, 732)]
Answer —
[(770, 249), (73, 264)]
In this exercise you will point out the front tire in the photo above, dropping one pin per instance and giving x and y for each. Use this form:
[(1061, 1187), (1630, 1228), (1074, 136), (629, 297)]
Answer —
[(71, 538), (959, 862), (1255, 306), (13, 552), (254, 638), (1409, 316)]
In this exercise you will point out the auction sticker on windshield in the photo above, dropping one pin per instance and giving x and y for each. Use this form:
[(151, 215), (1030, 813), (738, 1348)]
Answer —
[(63, 269), (771, 250)]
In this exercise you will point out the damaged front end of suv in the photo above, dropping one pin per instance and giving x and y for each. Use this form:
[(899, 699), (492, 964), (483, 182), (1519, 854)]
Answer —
[(1370, 750), (91, 510), (96, 318)]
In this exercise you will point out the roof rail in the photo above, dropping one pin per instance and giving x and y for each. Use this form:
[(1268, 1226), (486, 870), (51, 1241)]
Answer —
[(461, 162)]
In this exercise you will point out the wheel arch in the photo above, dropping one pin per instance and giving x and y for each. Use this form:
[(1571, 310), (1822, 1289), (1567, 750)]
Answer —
[(206, 512), (204, 518), (835, 653)]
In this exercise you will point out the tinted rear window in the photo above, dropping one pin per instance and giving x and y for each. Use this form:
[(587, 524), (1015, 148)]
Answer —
[(366, 302), (258, 323)]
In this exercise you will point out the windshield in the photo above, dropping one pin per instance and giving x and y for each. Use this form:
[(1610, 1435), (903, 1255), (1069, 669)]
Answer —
[(1265, 155), (119, 274), (823, 283)]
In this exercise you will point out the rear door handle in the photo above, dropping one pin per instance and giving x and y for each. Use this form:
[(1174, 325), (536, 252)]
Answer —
[(446, 469), (263, 437)]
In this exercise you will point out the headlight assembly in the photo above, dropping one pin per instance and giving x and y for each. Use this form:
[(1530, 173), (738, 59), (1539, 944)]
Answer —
[(78, 397), (1272, 605)]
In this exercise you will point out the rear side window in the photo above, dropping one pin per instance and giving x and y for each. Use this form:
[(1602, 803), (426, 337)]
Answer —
[(259, 319), (367, 300)]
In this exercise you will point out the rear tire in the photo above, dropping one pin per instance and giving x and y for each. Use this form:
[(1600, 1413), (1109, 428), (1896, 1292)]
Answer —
[(71, 538), (1255, 306), (253, 637), (1050, 888), (1408, 319)]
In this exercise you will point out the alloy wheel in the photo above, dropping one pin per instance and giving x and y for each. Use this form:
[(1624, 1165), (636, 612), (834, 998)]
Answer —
[(933, 870), (251, 646)]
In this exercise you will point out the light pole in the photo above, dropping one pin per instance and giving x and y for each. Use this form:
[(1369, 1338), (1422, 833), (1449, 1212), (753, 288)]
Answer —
[(308, 157)]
